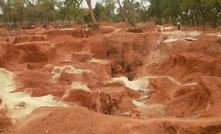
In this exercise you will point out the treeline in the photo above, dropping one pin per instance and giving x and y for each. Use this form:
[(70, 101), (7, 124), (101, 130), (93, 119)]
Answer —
[(29, 12), (26, 13), (189, 12)]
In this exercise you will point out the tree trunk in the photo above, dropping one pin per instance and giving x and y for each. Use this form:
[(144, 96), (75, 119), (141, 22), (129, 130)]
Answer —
[(91, 11), (174, 20), (126, 18), (203, 21), (212, 21), (219, 11), (63, 19)]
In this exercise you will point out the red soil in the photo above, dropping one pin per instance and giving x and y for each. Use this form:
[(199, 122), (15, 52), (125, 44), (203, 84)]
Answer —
[(182, 93)]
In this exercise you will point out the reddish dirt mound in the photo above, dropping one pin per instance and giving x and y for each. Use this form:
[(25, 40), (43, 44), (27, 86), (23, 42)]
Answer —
[(80, 120), (67, 44), (121, 25), (104, 23), (57, 32), (165, 83)]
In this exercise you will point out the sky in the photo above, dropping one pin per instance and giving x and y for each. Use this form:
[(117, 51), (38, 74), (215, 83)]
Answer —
[(93, 2)]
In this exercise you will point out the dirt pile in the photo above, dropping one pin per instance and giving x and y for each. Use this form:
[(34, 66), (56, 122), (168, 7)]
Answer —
[(158, 81), (80, 120)]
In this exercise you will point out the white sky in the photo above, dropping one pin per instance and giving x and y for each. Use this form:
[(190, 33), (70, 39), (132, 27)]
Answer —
[(93, 3)]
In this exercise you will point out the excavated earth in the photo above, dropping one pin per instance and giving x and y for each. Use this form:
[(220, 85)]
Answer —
[(161, 81)]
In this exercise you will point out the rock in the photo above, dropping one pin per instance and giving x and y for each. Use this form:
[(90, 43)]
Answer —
[(20, 106), (129, 113), (49, 67), (68, 74), (190, 39)]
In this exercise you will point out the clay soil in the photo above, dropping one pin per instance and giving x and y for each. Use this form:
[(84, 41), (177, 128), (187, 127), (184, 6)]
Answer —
[(160, 81)]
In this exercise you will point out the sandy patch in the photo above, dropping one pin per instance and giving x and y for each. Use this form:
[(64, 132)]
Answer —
[(217, 35), (162, 28), (142, 84), (57, 70), (137, 85), (67, 29), (170, 40), (11, 100), (80, 85), (94, 60), (182, 33)]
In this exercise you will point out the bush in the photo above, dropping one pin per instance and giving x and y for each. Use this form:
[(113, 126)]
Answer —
[(160, 22)]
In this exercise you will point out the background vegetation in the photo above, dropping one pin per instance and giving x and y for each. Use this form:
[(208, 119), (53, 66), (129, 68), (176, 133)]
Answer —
[(26, 13)]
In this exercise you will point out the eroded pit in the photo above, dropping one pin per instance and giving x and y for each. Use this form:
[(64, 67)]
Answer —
[(150, 82)]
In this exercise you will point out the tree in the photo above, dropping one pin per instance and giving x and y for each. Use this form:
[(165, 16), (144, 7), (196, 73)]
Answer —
[(13, 11), (98, 11), (191, 12), (126, 18), (69, 9), (108, 7), (94, 21), (30, 13), (154, 8), (132, 5), (46, 11), (212, 9), (118, 16), (144, 14)]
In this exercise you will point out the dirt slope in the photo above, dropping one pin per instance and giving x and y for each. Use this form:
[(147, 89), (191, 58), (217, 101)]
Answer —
[(159, 81)]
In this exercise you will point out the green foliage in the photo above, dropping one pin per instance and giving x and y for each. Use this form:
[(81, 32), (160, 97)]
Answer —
[(108, 8), (98, 11), (190, 12), (87, 18), (154, 8), (104, 10), (68, 8), (118, 17), (160, 22), (44, 11), (143, 12), (130, 6)]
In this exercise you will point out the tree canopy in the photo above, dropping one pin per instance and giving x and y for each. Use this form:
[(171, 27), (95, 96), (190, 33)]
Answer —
[(189, 12)]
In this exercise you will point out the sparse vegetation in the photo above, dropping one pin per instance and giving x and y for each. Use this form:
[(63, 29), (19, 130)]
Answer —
[(218, 40)]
